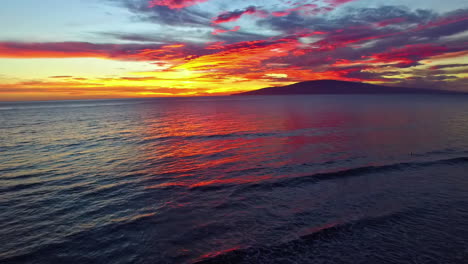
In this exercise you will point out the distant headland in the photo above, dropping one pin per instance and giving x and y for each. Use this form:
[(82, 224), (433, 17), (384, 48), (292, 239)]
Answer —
[(341, 87)]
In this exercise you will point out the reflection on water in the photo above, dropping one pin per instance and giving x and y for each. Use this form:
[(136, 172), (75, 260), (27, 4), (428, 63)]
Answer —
[(234, 180)]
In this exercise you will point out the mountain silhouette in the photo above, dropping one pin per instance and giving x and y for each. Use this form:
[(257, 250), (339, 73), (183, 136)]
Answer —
[(341, 87)]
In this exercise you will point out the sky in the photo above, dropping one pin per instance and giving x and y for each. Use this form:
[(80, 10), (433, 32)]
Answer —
[(89, 49)]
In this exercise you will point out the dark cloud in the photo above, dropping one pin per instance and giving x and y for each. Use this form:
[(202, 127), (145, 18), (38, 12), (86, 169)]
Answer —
[(162, 14), (367, 31), (353, 17), (234, 15), (175, 4), (445, 66)]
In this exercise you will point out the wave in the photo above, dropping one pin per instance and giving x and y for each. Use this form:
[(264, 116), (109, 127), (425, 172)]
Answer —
[(370, 169), (19, 187), (353, 172), (81, 243), (243, 135), (287, 251), (24, 176), (209, 137)]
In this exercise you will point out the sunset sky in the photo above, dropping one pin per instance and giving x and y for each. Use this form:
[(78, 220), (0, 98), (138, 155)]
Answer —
[(80, 49)]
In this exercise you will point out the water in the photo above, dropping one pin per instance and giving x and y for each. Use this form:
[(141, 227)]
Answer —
[(295, 179)]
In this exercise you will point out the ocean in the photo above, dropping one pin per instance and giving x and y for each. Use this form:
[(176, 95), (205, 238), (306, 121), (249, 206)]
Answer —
[(243, 179)]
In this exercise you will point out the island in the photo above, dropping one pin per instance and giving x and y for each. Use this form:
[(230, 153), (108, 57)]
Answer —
[(342, 87)]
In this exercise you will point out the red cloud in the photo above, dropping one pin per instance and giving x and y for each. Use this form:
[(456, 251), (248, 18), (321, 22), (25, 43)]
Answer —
[(409, 54), (137, 52), (175, 4), (307, 9), (403, 57), (54, 50)]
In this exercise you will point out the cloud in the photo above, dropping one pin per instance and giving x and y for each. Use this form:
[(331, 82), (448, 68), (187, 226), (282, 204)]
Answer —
[(406, 56), (352, 18), (304, 9), (61, 77), (166, 13), (135, 52), (338, 2), (388, 44), (307, 9), (219, 31), (234, 15), (56, 50), (444, 66), (175, 4), (390, 21)]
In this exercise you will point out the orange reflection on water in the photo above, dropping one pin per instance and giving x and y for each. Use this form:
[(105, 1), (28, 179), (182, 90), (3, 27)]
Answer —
[(202, 148), (194, 144)]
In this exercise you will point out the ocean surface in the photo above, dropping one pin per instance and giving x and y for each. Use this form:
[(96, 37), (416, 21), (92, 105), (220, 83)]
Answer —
[(267, 179)]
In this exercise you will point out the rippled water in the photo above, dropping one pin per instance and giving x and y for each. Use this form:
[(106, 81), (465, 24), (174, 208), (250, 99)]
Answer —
[(295, 179)]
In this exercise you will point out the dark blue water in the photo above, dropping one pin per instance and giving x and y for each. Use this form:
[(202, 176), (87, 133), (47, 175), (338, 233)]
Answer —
[(295, 179)]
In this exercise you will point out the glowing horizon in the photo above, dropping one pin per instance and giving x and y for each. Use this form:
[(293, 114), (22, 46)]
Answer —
[(142, 48)]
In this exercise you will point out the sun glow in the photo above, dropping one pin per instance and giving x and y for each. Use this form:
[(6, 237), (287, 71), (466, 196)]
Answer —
[(264, 50)]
